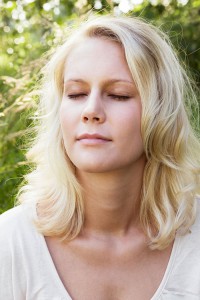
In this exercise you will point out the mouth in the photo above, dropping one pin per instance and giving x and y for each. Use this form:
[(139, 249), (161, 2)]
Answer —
[(92, 139)]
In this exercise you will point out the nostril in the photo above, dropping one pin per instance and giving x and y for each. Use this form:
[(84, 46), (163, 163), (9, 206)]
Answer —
[(85, 118), (96, 118)]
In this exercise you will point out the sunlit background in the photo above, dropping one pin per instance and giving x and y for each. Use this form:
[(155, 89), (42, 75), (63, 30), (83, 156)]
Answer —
[(29, 28)]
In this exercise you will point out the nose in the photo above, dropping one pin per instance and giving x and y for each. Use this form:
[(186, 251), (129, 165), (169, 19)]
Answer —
[(93, 110)]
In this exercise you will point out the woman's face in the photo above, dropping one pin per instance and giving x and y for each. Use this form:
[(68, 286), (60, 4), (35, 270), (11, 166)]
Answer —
[(100, 112)]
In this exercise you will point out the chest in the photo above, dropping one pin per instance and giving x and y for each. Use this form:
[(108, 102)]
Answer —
[(102, 275)]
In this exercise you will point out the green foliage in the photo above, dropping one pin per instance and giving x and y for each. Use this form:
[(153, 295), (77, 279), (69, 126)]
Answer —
[(29, 28), (182, 24)]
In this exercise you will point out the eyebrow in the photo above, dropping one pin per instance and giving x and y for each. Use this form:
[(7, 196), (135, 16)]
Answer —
[(107, 82)]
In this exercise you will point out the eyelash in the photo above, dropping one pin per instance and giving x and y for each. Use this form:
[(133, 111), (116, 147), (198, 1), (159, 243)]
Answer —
[(119, 97), (116, 97), (75, 96)]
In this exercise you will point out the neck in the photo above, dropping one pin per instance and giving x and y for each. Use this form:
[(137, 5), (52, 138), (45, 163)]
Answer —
[(112, 200)]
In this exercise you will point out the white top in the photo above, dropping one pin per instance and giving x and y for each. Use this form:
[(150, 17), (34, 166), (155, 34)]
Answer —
[(27, 271)]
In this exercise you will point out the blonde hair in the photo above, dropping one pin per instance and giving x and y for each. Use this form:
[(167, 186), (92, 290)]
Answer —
[(171, 176)]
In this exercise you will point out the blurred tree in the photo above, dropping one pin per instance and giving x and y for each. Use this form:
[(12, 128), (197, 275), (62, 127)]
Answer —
[(28, 28)]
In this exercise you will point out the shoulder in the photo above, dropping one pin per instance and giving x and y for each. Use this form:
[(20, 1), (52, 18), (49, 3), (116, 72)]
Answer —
[(13, 221), (184, 272), (196, 226), (19, 247), (19, 242), (188, 244), (11, 217), (16, 227)]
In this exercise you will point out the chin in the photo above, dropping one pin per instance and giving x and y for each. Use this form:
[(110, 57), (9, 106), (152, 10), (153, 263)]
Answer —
[(99, 168), (92, 168)]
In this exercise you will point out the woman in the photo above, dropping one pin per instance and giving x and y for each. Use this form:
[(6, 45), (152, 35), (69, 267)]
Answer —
[(113, 195)]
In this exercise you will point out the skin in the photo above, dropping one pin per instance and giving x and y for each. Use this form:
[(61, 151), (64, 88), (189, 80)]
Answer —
[(107, 104), (111, 254)]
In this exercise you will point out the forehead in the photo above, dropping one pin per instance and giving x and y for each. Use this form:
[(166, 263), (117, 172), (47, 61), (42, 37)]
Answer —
[(97, 57)]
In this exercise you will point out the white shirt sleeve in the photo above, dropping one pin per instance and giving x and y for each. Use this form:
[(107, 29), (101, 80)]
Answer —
[(12, 283)]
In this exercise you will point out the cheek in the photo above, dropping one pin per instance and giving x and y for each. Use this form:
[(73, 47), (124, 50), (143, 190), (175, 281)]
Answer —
[(65, 123), (130, 120), (67, 117), (130, 128)]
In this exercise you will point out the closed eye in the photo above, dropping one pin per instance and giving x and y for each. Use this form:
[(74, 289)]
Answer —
[(119, 97), (76, 96)]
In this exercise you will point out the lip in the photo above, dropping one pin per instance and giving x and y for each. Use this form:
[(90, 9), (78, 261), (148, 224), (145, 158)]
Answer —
[(95, 138)]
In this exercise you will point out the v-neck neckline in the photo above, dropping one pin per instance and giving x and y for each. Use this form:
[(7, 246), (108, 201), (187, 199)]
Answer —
[(64, 291), (47, 258), (168, 270)]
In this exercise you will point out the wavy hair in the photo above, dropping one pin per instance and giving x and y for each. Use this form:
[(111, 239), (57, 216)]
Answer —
[(172, 173)]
